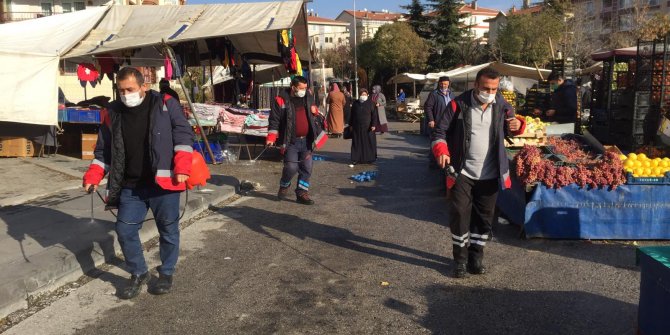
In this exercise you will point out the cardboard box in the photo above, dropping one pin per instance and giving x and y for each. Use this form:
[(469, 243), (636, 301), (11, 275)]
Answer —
[(88, 142), (16, 147)]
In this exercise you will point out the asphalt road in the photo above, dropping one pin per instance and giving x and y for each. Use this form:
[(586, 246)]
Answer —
[(368, 258)]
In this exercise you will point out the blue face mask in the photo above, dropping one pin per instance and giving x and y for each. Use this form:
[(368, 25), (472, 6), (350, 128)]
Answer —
[(444, 90), (553, 87)]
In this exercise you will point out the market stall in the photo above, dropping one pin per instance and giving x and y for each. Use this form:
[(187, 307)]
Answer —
[(574, 188), (237, 38)]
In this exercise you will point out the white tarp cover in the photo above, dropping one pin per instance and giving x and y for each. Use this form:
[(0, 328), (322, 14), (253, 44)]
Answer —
[(251, 27), (405, 78), (595, 68), (505, 69), (29, 54)]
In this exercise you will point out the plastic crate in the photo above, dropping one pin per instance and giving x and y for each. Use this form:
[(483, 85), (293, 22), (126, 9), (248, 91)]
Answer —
[(642, 98), (665, 180), (83, 115), (62, 115), (640, 113), (621, 114)]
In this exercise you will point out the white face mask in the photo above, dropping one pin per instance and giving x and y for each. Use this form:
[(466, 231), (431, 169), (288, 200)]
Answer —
[(300, 93), (486, 98), (363, 98), (132, 99)]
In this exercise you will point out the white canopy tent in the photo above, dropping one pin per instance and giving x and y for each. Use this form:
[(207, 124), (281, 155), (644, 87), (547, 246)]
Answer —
[(30, 52), (595, 68), (505, 69), (251, 27), (406, 78)]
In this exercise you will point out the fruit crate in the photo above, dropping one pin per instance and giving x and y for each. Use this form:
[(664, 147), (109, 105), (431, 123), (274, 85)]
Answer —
[(665, 180), (640, 113), (83, 115), (642, 98)]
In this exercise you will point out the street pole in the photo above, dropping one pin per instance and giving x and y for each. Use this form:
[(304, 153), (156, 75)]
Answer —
[(355, 55)]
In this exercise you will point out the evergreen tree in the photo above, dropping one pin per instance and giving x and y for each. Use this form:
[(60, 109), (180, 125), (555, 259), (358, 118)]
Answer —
[(446, 31), (417, 19)]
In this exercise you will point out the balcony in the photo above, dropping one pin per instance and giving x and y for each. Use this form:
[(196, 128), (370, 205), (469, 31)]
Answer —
[(22, 16)]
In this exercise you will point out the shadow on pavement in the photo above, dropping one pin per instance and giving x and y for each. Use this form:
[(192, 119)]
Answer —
[(406, 186), (52, 228), (457, 309), (261, 221)]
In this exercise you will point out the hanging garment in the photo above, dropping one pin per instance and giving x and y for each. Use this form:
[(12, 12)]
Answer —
[(86, 72), (107, 63), (298, 65), (168, 67)]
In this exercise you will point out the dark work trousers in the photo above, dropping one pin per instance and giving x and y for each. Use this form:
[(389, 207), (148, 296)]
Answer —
[(297, 159), (472, 209)]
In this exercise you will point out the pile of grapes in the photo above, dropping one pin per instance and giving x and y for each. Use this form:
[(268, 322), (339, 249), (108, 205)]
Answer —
[(531, 167)]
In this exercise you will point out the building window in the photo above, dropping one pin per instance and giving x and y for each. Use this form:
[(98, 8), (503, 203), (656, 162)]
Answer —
[(47, 9), (339, 40), (316, 39), (654, 3), (608, 3), (67, 7), (625, 4), (79, 5)]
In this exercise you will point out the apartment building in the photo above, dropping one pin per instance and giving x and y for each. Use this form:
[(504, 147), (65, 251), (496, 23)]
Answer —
[(611, 16), (368, 22), (327, 33), (476, 19), (18, 10)]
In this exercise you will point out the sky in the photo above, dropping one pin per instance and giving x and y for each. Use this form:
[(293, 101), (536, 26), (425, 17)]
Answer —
[(332, 8)]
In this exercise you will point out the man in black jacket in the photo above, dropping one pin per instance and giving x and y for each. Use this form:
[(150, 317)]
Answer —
[(435, 106), (296, 127), (563, 107)]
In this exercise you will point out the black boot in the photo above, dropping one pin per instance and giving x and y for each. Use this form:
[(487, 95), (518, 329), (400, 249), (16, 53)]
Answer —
[(460, 271), (475, 266), (163, 285), (134, 286)]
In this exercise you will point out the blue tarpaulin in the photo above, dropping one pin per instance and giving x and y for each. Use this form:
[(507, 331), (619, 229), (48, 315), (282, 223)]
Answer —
[(631, 212)]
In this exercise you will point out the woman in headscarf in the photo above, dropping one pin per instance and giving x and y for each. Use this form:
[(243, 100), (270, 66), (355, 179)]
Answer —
[(336, 102), (362, 125), (379, 100)]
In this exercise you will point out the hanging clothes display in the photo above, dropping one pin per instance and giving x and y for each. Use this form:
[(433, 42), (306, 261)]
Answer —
[(286, 48), (107, 65), (87, 73)]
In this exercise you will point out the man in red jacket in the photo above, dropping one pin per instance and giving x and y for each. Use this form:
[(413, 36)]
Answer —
[(294, 125), (145, 145)]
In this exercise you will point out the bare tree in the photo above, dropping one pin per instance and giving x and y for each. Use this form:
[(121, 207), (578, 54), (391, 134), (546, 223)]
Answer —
[(579, 40)]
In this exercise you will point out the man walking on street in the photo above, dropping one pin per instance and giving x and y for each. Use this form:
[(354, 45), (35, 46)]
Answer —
[(435, 107), (145, 145), (295, 126), (470, 138)]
